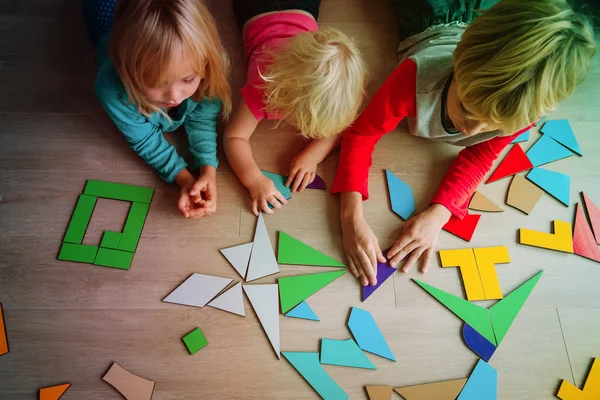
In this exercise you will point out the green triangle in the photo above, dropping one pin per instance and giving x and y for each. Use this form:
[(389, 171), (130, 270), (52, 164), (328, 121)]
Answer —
[(295, 289), (504, 312), (476, 316), (294, 252)]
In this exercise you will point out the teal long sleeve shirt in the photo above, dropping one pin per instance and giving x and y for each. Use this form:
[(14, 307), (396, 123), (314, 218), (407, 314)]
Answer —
[(145, 134)]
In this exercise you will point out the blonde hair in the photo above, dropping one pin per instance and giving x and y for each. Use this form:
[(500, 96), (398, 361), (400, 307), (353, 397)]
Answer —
[(316, 82), (149, 36), (520, 58)]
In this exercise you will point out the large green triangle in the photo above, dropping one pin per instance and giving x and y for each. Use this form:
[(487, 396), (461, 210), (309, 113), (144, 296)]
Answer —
[(295, 289), (476, 316), (294, 252), (504, 312)]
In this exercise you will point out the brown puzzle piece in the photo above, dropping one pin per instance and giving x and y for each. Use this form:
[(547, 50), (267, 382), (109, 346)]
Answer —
[(523, 195), (131, 386), (446, 390)]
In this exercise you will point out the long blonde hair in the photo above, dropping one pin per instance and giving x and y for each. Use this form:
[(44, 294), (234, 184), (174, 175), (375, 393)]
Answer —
[(148, 36)]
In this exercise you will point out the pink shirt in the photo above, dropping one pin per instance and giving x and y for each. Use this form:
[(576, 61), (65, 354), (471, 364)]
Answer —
[(261, 36)]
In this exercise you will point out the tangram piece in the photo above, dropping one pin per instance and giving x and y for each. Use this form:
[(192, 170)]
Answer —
[(3, 338), (487, 258), (113, 258), (541, 121), (594, 214), (477, 343), (53, 392), (344, 353), (560, 240), (294, 252), (384, 271), (80, 219), (307, 364), (118, 191), (231, 301), (464, 228), (547, 150), (317, 183), (279, 181), (481, 203), (523, 137), (584, 243), (197, 290), (401, 196), (238, 257), (133, 226), (195, 341), (303, 311), (523, 195), (367, 334), (262, 259), (295, 289), (464, 259), (504, 312), (482, 384), (591, 389), (379, 392), (111, 240), (561, 131), (78, 253), (265, 302), (515, 161), (131, 386), (554, 183), (446, 390)]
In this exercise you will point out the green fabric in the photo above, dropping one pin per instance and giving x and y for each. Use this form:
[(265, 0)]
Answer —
[(80, 219), (195, 341), (294, 289), (118, 191), (294, 252)]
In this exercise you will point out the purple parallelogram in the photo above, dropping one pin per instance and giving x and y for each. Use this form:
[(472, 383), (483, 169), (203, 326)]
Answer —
[(384, 271), (317, 183)]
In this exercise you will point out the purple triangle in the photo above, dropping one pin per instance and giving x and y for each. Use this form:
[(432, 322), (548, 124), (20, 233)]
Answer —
[(317, 183), (384, 271)]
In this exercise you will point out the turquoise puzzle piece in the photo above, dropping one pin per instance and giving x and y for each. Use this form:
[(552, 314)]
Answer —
[(541, 121), (547, 150), (401, 196), (561, 131), (303, 311), (482, 384), (344, 353), (554, 183), (523, 137), (307, 364), (279, 181), (367, 333)]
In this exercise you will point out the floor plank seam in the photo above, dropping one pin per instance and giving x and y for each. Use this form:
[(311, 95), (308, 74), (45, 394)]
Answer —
[(562, 332)]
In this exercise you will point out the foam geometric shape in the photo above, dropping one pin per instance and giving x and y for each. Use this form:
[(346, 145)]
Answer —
[(195, 341), (3, 337), (111, 240), (78, 253), (591, 388), (232, 301), (384, 271), (523, 137), (344, 353), (446, 390), (131, 386), (80, 219), (265, 302), (523, 195), (481, 203), (307, 364), (482, 384), (239, 256), (464, 259), (114, 258), (547, 150), (401, 196), (487, 258), (262, 259), (594, 214), (54, 392), (554, 183), (118, 191), (561, 131), (279, 181), (560, 240), (464, 228), (303, 311), (367, 334), (477, 343), (133, 226), (515, 161), (295, 289), (541, 121), (584, 243), (317, 183), (293, 252), (197, 290), (379, 392)]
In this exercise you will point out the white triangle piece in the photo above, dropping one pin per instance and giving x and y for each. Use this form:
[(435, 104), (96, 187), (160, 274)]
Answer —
[(197, 290), (238, 257), (262, 259), (232, 301), (265, 301)]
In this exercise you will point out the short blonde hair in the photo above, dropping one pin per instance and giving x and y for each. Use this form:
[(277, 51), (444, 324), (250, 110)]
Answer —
[(148, 36), (520, 58), (316, 82)]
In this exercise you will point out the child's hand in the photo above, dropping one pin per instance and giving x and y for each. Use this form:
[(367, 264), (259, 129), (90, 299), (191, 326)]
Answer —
[(302, 171), (419, 237), (198, 197), (362, 250), (263, 192)]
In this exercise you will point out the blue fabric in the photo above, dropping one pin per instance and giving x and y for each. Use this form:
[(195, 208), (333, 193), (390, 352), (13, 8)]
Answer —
[(98, 18)]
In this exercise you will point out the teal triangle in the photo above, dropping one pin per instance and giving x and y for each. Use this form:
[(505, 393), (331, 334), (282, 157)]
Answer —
[(482, 384), (554, 183), (344, 353), (303, 311), (308, 365), (292, 251), (401, 196), (561, 131), (547, 150), (279, 181), (523, 137)]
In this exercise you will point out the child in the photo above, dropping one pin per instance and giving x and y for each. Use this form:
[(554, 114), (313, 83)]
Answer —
[(472, 87), (162, 66), (309, 78)]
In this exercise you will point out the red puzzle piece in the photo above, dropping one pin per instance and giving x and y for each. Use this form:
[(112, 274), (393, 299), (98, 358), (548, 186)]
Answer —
[(594, 214), (583, 238), (464, 228), (515, 161)]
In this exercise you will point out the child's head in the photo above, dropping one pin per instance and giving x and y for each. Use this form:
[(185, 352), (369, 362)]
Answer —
[(316, 82), (516, 62), (166, 51)]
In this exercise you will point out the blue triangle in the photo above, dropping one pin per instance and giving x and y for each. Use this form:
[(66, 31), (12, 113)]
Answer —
[(482, 384), (523, 137), (554, 183), (546, 150), (303, 311), (401, 196), (308, 365), (560, 130)]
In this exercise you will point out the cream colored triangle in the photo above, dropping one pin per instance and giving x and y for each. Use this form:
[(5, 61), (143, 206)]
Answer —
[(232, 301), (481, 203), (446, 390)]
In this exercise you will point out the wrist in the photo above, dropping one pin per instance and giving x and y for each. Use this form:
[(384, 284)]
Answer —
[(441, 212), (208, 170), (351, 207), (184, 178)]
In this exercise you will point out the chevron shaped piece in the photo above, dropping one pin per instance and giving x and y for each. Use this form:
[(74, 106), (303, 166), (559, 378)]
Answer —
[(560, 240), (590, 391)]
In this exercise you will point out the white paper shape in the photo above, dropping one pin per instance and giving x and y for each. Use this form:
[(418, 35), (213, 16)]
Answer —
[(262, 259), (265, 301), (232, 301), (197, 290), (238, 257)]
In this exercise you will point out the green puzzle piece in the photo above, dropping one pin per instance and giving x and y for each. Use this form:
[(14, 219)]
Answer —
[(111, 240), (113, 258), (118, 191), (78, 252), (279, 181), (294, 289), (133, 226), (294, 252), (80, 219), (195, 341)]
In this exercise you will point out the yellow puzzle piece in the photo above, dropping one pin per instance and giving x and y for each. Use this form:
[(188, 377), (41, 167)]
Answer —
[(464, 259), (487, 258), (591, 389), (560, 240)]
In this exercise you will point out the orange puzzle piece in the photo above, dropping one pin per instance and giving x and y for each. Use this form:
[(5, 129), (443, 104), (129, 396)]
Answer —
[(54, 392), (3, 338)]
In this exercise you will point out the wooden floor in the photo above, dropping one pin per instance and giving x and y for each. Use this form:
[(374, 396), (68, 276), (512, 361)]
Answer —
[(68, 322)]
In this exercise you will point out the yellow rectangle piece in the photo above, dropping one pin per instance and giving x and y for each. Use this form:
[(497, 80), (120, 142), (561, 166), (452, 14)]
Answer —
[(465, 260), (487, 258)]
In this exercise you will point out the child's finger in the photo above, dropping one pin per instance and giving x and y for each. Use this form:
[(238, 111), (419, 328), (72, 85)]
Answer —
[(403, 253), (399, 245), (380, 256), (255, 207), (182, 206), (361, 274), (305, 181), (367, 268), (274, 202), (280, 198), (351, 266), (426, 259), (196, 213), (265, 207), (291, 177), (297, 181), (412, 260)]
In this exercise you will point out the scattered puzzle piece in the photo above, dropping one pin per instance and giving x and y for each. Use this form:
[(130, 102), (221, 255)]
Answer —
[(584, 243), (464, 259), (317, 183), (54, 392), (561, 131), (560, 240), (515, 161), (307, 364), (231, 301), (78, 253), (131, 386), (554, 183), (481, 203), (523, 137), (262, 259), (367, 334), (384, 271), (3, 337), (265, 302), (477, 343), (195, 341), (464, 228), (546, 150), (134, 226), (401, 196), (594, 214), (80, 219), (293, 252), (113, 258), (482, 384), (238, 257), (111, 240), (591, 388), (279, 181), (118, 191), (446, 390), (344, 353), (379, 392), (487, 258), (523, 195), (197, 290), (303, 311), (295, 289)]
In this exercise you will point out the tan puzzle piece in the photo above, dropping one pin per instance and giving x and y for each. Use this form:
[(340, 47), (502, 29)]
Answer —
[(447, 390), (523, 195), (131, 386), (379, 392), (481, 203)]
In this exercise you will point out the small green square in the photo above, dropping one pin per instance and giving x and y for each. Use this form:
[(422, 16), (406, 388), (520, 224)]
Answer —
[(195, 341), (113, 258), (111, 240), (78, 253)]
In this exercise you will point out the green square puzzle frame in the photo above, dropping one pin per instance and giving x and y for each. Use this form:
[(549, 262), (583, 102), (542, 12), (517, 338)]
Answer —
[(116, 249)]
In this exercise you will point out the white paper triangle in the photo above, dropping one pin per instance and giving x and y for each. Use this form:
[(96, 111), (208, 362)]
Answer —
[(262, 259), (197, 290), (265, 301), (238, 257), (232, 301)]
